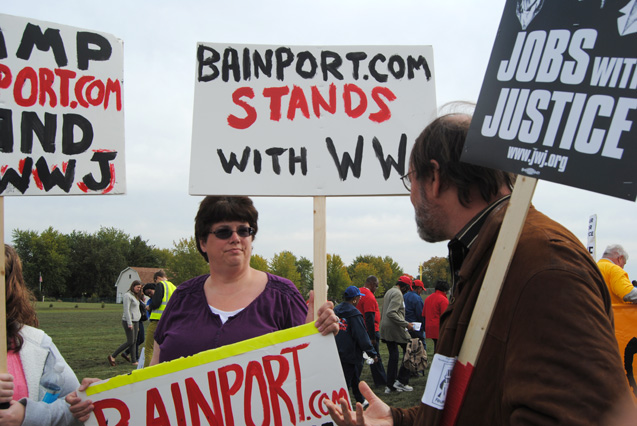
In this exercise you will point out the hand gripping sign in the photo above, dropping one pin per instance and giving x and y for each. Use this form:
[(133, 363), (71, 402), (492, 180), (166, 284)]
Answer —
[(281, 378)]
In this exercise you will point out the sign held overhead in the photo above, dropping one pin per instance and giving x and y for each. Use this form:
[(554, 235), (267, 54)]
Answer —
[(307, 120), (61, 110)]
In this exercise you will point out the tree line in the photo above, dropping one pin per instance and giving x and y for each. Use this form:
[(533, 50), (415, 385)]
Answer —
[(82, 265)]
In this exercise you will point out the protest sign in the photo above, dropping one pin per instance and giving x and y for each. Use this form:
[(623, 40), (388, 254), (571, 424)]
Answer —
[(275, 379), (61, 110), (307, 120), (558, 100)]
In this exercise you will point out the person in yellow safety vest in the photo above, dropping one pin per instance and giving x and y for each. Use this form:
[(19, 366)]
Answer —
[(163, 290)]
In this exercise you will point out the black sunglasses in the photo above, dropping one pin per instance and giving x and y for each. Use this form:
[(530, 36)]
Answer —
[(224, 233)]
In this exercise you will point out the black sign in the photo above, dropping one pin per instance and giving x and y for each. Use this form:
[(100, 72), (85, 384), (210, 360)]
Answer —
[(559, 100)]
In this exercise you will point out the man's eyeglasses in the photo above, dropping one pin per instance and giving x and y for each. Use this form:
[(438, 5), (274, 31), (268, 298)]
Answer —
[(407, 181), (224, 233)]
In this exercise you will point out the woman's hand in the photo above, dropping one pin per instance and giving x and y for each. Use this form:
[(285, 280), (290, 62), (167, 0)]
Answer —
[(12, 416), (6, 387), (81, 410), (327, 321), (377, 414)]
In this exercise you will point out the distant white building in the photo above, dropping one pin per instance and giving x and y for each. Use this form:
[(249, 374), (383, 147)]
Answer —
[(130, 274)]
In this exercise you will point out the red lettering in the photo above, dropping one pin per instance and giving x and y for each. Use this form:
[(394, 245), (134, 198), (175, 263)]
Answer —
[(100, 406), (179, 404), (297, 372), (36, 178), (255, 371), (196, 400), (338, 395), (312, 405), (214, 394), (227, 391), (79, 87), (298, 101), (318, 101), (5, 76), (46, 87), (25, 74), (65, 76), (384, 113), (95, 100), (251, 113), (154, 402), (275, 94), (113, 87), (322, 406), (347, 97), (275, 385)]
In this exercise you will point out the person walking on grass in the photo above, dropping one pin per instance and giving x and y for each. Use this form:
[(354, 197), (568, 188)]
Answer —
[(394, 332), (130, 321)]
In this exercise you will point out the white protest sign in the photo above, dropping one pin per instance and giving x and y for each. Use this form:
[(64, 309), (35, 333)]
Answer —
[(307, 120), (590, 243), (275, 379), (61, 110)]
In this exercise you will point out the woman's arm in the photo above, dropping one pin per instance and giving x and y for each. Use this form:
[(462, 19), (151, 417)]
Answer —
[(155, 358), (127, 305)]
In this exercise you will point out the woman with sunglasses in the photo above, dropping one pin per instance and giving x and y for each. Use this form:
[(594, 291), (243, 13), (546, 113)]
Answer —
[(234, 302)]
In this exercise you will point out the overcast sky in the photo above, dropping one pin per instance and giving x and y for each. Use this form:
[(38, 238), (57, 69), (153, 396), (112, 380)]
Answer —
[(159, 66)]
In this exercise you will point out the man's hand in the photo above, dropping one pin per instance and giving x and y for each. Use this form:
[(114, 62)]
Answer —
[(81, 410), (377, 414)]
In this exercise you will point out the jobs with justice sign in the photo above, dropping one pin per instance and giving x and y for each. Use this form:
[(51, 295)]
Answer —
[(61, 110), (307, 120), (559, 98)]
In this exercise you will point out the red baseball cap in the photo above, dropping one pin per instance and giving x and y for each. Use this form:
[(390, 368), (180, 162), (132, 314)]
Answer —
[(405, 279), (418, 283)]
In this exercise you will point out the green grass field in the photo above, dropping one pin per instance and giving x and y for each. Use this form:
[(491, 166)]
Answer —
[(88, 333)]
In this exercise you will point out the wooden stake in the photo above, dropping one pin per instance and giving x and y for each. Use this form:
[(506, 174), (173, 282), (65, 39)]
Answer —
[(3, 296), (320, 255)]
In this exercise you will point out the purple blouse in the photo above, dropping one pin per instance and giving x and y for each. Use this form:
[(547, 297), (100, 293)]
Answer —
[(187, 325)]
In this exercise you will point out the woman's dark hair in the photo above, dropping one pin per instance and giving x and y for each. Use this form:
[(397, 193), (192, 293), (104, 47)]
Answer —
[(442, 141), (215, 209), (20, 300), (442, 285)]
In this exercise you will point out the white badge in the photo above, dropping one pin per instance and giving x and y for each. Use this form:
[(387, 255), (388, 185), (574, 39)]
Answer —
[(438, 381)]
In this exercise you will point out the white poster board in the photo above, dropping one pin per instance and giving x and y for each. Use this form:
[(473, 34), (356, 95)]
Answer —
[(279, 378), (61, 110), (307, 120)]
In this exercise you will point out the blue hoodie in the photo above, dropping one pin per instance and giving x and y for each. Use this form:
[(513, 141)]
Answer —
[(352, 338)]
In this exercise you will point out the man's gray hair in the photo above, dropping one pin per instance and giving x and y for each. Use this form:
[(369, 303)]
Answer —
[(615, 251)]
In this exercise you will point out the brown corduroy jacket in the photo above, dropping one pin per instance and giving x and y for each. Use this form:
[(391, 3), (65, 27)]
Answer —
[(550, 355)]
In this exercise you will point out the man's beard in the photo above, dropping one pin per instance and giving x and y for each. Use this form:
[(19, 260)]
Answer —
[(428, 224)]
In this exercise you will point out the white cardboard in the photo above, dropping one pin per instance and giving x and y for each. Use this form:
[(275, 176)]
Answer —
[(279, 378), (71, 86), (286, 148)]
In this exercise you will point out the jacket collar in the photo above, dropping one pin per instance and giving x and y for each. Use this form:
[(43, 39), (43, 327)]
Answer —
[(460, 245)]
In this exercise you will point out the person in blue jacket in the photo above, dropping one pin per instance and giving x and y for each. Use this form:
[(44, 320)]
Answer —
[(352, 340)]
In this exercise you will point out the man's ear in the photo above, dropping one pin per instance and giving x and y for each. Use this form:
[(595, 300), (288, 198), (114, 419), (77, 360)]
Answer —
[(435, 178)]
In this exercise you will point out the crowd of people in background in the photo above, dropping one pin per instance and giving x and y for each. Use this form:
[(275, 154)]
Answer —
[(404, 317)]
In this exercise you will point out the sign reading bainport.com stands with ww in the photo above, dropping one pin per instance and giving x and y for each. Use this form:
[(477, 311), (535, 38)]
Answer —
[(307, 120), (559, 100), (61, 110)]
